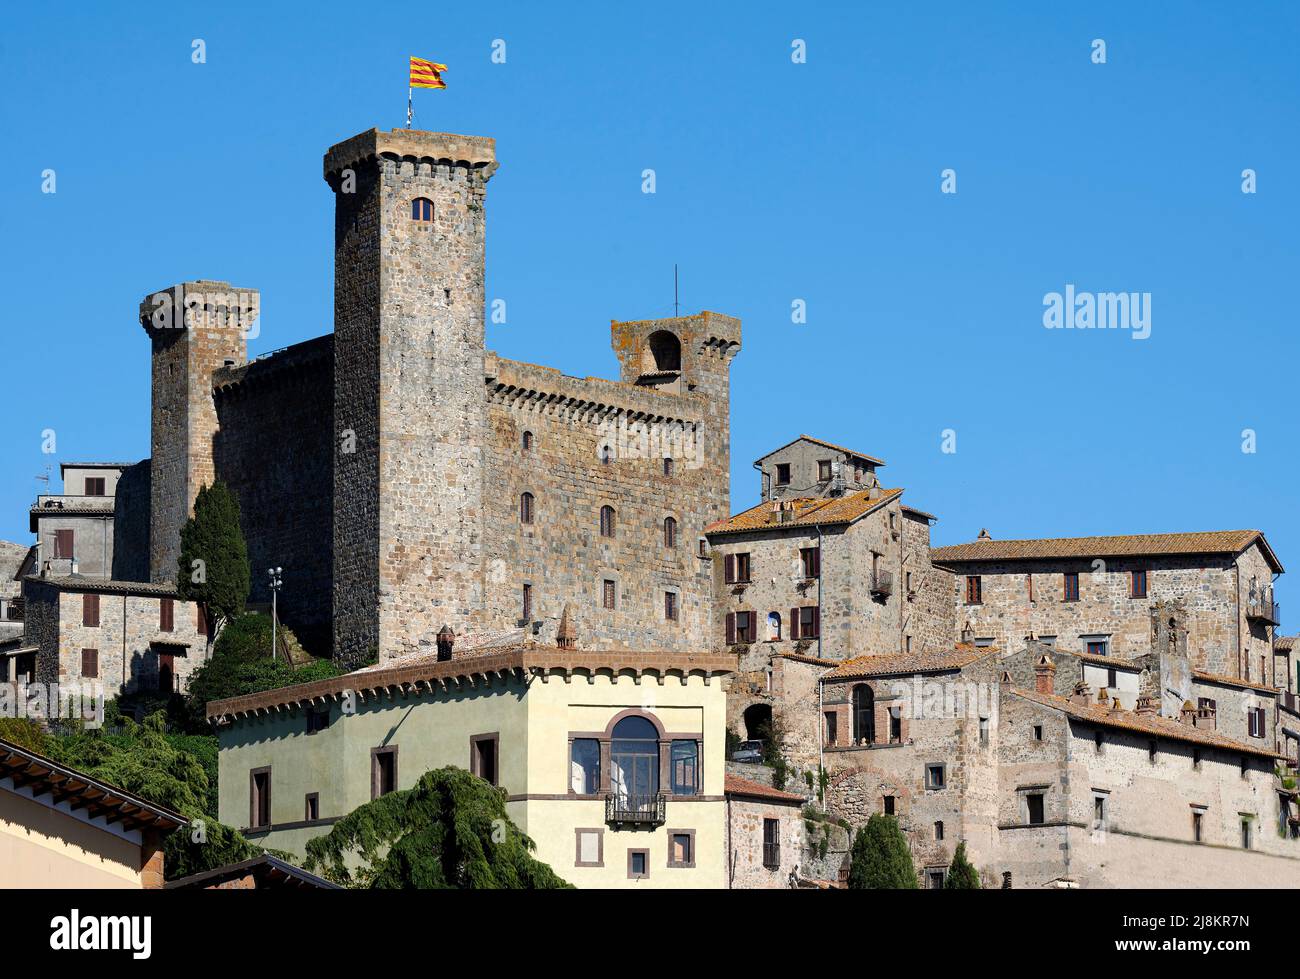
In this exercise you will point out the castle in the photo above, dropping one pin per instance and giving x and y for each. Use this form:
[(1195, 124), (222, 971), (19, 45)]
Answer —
[(546, 576), (407, 479)]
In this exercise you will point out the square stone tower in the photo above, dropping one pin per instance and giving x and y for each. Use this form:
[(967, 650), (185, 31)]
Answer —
[(410, 408), (195, 328)]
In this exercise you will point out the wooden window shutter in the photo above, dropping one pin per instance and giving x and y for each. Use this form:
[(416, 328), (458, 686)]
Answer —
[(794, 623), (165, 620), (200, 620), (731, 628), (90, 610), (90, 662), (729, 569)]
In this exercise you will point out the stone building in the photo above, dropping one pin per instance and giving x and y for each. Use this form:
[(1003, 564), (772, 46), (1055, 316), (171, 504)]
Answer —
[(116, 636), (14, 559), (765, 835), (407, 479), (74, 529), (1063, 791), (1094, 594), (841, 573)]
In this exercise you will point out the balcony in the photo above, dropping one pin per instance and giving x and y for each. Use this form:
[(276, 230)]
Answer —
[(636, 810), (1262, 608), (882, 583)]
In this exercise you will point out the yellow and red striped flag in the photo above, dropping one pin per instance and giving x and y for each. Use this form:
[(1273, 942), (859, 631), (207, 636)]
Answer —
[(427, 74)]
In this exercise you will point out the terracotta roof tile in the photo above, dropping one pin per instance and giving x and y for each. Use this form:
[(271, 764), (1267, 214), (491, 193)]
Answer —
[(901, 664), (1284, 644), (735, 785), (1164, 727), (1127, 545), (808, 512), (1232, 681)]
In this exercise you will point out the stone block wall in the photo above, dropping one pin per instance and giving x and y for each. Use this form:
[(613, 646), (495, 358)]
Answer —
[(747, 869), (131, 524), (195, 328), (275, 450), (572, 427), (128, 637), (1208, 589)]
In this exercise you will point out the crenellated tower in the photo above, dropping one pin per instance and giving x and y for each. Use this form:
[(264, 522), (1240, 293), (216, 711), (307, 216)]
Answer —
[(410, 409)]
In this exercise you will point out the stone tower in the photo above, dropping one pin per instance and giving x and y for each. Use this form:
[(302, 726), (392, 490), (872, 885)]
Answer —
[(195, 328), (410, 408)]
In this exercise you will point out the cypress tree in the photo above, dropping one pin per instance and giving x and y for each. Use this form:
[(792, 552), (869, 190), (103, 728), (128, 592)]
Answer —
[(962, 876), (213, 569), (880, 857)]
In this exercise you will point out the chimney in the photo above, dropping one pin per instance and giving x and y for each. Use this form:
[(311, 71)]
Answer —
[(1004, 682), (967, 633), (446, 639), (1082, 694), (567, 636), (984, 534), (1188, 714), (1045, 675), (1146, 705)]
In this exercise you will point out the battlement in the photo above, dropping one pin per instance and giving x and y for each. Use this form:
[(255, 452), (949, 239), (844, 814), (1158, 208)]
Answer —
[(413, 145), (200, 303)]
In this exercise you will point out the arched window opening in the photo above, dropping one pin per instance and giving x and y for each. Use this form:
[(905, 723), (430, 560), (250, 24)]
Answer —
[(634, 763), (422, 209), (664, 352), (670, 532), (774, 626), (526, 508), (528, 442), (668, 465), (607, 521), (864, 714), (605, 455)]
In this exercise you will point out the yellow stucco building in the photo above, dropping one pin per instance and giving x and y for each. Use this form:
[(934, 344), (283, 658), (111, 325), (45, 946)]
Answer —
[(612, 762)]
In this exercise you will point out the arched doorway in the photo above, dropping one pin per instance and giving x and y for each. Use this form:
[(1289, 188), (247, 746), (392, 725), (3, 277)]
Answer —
[(758, 722)]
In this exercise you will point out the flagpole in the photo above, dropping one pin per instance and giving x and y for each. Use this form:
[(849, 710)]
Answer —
[(408, 108)]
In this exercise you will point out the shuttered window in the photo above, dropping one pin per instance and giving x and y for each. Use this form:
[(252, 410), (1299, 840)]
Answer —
[(166, 613), (63, 541), (90, 610), (90, 663)]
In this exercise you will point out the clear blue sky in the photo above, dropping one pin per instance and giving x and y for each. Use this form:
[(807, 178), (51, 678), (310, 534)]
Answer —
[(775, 181)]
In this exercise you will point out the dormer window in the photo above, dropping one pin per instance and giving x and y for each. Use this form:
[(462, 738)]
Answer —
[(422, 210)]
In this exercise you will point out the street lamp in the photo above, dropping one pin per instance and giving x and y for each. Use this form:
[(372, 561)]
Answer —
[(276, 582)]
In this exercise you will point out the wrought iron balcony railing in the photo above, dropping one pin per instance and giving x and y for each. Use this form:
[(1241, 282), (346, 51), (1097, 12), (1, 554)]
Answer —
[(640, 810)]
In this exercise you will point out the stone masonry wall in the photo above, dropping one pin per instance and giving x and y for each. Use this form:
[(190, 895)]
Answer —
[(192, 334), (1207, 587), (409, 381), (275, 450)]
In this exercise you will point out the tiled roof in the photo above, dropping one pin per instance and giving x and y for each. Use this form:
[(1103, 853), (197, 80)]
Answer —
[(1155, 724), (1284, 644), (44, 776), (423, 673), (105, 586), (735, 785), (1232, 681), (904, 664), (920, 513), (267, 872), (830, 445), (1128, 545), (808, 512), (65, 466), (811, 660), (1116, 661)]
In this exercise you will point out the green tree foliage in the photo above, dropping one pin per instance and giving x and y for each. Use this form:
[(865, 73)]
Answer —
[(962, 876), (880, 857), (142, 759), (213, 569), (25, 733), (240, 664), (449, 831)]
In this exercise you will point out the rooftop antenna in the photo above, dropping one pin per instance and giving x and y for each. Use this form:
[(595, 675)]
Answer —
[(45, 477), (675, 305)]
